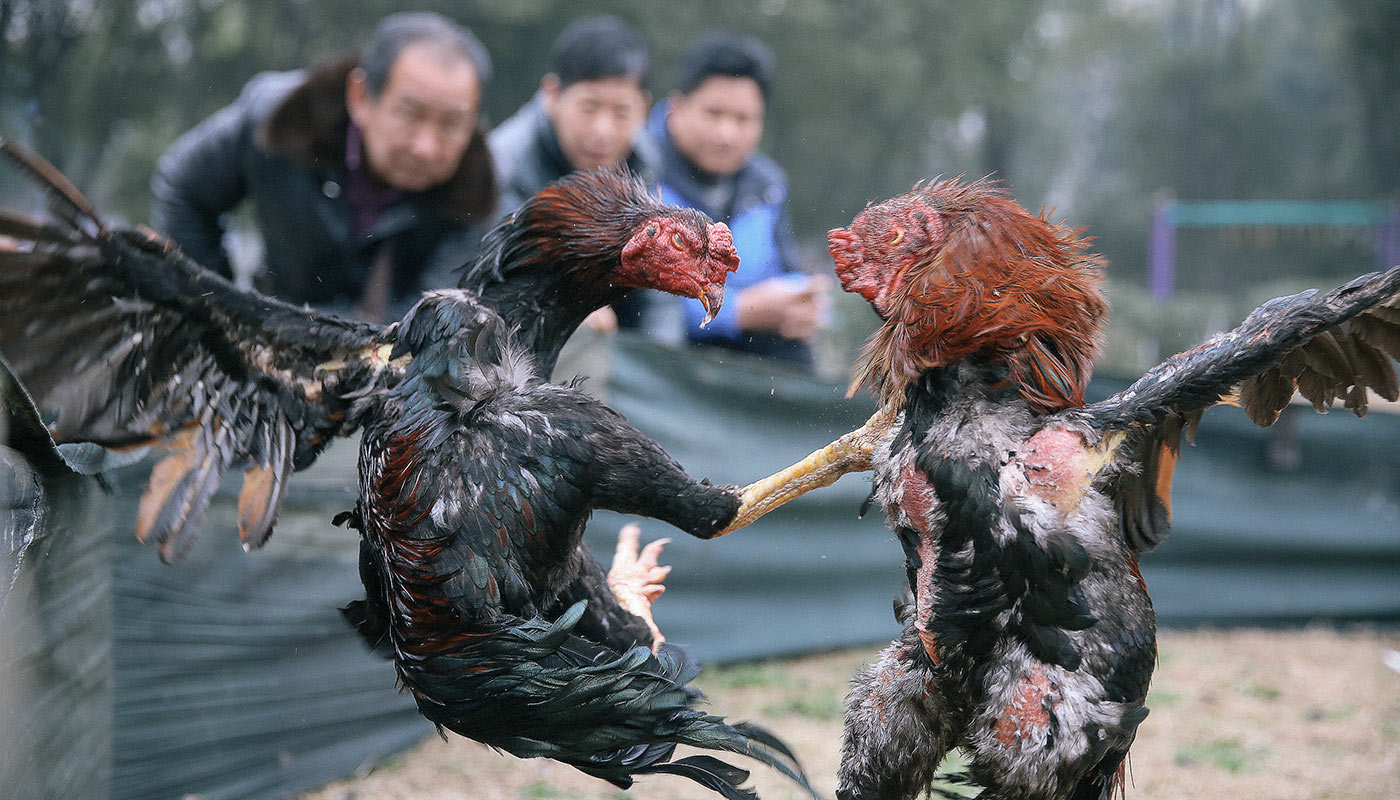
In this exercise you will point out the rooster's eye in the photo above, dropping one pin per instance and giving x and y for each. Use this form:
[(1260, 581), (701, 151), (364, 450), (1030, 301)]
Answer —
[(898, 236), (677, 242)]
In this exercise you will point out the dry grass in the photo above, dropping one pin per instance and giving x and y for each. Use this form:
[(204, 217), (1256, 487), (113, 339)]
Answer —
[(1284, 715)]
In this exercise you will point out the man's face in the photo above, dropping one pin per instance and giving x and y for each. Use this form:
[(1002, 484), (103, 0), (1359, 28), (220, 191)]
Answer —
[(595, 120), (417, 129), (718, 125)]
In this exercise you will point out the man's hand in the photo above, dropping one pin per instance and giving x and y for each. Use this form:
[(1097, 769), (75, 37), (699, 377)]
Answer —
[(793, 309)]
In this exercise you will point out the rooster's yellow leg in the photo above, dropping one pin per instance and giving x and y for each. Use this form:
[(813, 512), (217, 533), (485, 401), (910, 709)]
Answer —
[(850, 453)]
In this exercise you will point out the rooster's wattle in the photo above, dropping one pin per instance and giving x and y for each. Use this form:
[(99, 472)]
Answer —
[(1029, 639), (477, 475)]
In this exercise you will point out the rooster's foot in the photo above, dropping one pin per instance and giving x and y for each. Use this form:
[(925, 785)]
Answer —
[(635, 577)]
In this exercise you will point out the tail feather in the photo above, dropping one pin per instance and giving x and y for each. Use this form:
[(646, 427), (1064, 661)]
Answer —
[(537, 689), (748, 739), (767, 739), (710, 772)]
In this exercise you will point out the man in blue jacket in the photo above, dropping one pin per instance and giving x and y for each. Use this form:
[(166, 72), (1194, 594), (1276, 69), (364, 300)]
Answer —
[(707, 132), (369, 179)]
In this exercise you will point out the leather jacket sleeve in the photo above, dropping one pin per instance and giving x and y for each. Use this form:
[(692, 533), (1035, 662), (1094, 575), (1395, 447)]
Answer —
[(199, 179)]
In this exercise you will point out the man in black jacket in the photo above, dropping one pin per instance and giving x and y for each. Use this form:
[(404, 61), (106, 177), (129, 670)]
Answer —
[(369, 178)]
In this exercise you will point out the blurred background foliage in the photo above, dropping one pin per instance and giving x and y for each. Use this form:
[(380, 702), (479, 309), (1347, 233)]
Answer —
[(1095, 109)]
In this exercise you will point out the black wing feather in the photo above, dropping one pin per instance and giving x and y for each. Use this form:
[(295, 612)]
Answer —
[(1325, 330), (123, 341), (1326, 347)]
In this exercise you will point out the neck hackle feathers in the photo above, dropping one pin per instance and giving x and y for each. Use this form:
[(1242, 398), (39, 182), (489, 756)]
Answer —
[(582, 219), (600, 233), (960, 271)]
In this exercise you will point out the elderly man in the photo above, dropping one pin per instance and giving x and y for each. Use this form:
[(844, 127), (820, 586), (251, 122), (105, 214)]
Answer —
[(369, 178)]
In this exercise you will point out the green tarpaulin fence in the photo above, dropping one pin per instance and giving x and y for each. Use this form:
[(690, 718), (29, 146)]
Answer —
[(234, 676), (55, 615)]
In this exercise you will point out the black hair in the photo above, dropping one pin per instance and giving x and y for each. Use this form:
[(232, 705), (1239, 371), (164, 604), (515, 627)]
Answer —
[(729, 55), (397, 31), (594, 48)]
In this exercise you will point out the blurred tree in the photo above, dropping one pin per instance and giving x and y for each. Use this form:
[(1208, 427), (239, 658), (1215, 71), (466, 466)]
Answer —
[(1372, 30), (103, 88), (1091, 106), (1232, 100)]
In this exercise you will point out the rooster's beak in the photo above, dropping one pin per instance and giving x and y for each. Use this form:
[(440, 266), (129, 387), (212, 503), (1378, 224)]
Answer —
[(712, 297), (725, 259)]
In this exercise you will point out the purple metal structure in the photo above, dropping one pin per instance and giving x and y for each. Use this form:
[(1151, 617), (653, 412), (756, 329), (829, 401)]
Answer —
[(1170, 215)]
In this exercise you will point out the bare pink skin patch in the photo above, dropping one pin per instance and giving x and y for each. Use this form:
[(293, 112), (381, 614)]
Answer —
[(1059, 467), (917, 499), (1027, 716)]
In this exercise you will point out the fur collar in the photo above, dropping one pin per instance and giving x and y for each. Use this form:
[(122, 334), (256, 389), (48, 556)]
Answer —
[(309, 124)]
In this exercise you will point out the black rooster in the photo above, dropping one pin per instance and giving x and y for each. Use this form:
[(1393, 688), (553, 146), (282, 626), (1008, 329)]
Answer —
[(1029, 640), (477, 475)]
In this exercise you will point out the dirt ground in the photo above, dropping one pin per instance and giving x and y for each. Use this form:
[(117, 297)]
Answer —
[(1283, 715)]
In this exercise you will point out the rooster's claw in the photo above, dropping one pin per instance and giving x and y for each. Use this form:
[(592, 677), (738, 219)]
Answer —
[(635, 577)]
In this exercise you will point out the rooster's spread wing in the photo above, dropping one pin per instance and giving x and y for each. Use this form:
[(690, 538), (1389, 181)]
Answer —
[(1326, 347), (125, 342)]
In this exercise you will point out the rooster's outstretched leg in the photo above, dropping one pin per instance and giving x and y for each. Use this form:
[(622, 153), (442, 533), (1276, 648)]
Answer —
[(850, 453), (636, 578)]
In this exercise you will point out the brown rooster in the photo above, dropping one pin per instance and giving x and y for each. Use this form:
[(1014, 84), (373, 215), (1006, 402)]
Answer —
[(1029, 641), (477, 475)]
